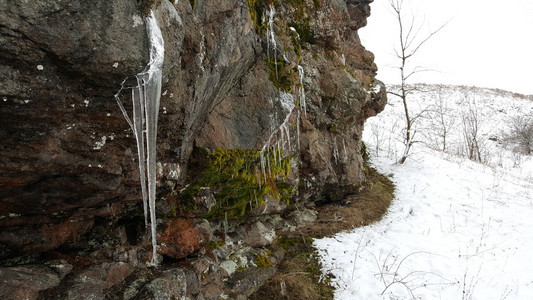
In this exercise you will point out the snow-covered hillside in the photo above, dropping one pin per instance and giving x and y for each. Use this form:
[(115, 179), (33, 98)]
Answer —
[(443, 115), (457, 229)]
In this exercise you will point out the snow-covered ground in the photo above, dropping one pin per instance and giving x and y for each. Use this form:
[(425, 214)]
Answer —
[(457, 229)]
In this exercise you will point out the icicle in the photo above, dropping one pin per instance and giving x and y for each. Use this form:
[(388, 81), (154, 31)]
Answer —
[(145, 97), (263, 163), (282, 136), (137, 96), (298, 131), (285, 126), (287, 102), (268, 163), (279, 154), (278, 137), (335, 151), (271, 39), (275, 157), (301, 90), (152, 93), (225, 226), (258, 178), (345, 153)]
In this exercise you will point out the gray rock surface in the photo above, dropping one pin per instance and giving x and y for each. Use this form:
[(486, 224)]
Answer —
[(25, 282)]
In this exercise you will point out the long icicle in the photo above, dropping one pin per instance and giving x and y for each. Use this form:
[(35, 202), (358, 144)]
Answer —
[(145, 97), (152, 86), (137, 96)]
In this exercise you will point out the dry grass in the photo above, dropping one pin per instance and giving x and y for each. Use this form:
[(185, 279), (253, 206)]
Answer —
[(362, 209), (299, 274)]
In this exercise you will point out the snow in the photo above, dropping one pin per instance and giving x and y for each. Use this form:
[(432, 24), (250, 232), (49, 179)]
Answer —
[(137, 20), (457, 229)]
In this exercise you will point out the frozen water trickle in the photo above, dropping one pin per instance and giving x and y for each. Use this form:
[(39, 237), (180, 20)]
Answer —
[(271, 38), (335, 151), (280, 136), (344, 147), (145, 97), (298, 129), (301, 90)]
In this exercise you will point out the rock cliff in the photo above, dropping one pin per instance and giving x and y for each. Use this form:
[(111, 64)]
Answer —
[(288, 77)]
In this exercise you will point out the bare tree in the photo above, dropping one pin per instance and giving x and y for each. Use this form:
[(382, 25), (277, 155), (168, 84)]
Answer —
[(442, 120), (521, 133), (473, 143), (410, 44)]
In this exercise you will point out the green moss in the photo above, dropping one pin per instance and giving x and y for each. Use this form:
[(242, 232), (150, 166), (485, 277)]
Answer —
[(300, 21), (262, 261), (256, 14), (300, 270), (304, 30), (295, 3), (241, 268), (350, 71), (281, 74), (287, 243), (186, 201), (214, 245), (363, 151), (239, 183), (297, 46)]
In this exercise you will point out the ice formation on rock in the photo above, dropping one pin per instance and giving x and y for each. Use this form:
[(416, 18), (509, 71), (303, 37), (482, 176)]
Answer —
[(146, 96)]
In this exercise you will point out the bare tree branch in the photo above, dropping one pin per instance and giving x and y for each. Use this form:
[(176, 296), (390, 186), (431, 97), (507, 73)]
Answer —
[(410, 44)]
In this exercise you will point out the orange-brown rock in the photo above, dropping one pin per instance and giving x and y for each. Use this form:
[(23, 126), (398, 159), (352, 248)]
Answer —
[(181, 238)]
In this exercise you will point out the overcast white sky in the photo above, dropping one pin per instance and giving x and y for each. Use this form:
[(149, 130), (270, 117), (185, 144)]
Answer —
[(487, 43)]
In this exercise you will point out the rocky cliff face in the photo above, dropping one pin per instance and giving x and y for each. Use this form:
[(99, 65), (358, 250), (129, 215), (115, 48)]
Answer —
[(235, 75)]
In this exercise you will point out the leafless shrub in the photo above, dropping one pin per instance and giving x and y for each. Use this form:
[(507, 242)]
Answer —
[(391, 273), (441, 122), (469, 284), (474, 143), (521, 134)]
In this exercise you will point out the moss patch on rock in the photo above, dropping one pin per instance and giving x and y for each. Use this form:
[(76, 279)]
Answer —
[(281, 74), (299, 276), (256, 14), (240, 179)]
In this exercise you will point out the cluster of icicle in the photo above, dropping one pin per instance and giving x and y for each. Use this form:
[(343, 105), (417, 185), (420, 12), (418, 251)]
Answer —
[(146, 96), (280, 138)]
